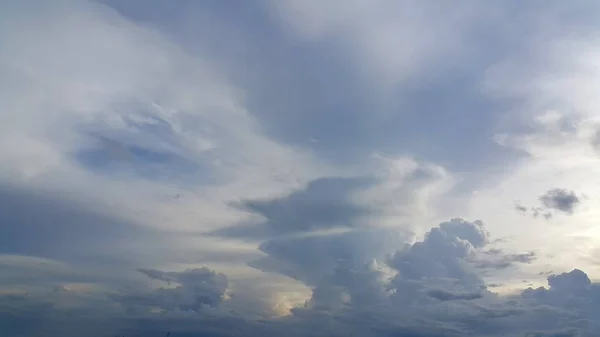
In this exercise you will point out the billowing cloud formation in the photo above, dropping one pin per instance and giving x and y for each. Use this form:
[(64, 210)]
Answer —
[(443, 254), (194, 289), (334, 265), (357, 295), (289, 167)]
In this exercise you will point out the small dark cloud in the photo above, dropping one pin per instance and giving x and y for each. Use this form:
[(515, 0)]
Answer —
[(523, 257), (539, 211), (493, 251), (520, 208), (556, 199), (560, 199), (503, 261)]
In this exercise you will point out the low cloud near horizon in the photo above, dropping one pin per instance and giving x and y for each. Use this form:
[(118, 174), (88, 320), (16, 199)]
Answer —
[(299, 168)]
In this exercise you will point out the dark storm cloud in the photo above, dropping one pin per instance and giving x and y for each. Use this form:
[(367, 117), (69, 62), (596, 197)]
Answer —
[(434, 275), (324, 203)]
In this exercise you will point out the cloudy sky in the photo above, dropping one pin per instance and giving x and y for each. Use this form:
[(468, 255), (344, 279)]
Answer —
[(393, 168)]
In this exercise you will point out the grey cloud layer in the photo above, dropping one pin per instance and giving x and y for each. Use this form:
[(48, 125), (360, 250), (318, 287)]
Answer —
[(126, 124), (349, 294), (54, 225)]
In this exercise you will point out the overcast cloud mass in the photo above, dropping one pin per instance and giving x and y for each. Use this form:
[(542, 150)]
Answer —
[(384, 168)]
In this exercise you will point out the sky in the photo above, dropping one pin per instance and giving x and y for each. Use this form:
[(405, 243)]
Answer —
[(379, 168)]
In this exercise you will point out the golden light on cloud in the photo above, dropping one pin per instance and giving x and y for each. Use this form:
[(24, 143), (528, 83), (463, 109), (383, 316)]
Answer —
[(284, 303)]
